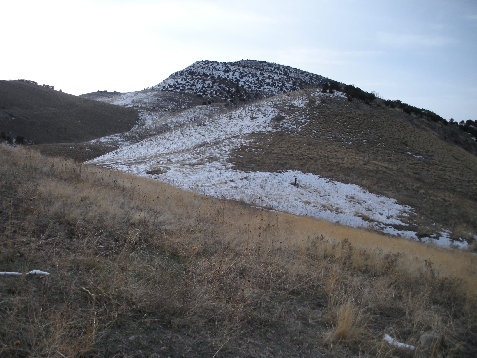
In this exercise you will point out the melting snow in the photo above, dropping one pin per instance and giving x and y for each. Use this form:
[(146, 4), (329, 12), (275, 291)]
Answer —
[(190, 150), (32, 272), (444, 239), (313, 195), (415, 155), (194, 157), (395, 343)]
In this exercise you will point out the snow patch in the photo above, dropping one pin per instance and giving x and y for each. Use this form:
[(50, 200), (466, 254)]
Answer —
[(398, 344), (194, 157), (444, 239), (346, 204), (190, 150), (415, 155), (32, 272)]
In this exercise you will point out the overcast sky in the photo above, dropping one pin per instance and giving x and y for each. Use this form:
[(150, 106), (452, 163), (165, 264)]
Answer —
[(423, 52)]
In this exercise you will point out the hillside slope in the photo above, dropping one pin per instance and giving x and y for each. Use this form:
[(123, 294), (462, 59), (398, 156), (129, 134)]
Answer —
[(254, 152), (40, 114), (240, 130), (140, 268), (206, 82), (385, 151)]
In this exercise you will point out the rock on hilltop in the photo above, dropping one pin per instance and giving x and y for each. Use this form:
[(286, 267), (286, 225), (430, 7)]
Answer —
[(239, 81)]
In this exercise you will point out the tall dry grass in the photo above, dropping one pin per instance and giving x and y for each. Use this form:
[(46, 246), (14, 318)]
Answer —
[(141, 268), (348, 323)]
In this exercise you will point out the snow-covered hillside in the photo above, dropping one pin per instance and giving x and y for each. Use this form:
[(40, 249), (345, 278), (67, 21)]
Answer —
[(193, 154), (239, 81), (193, 134)]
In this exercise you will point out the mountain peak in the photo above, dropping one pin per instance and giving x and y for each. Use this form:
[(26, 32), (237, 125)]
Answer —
[(239, 81)]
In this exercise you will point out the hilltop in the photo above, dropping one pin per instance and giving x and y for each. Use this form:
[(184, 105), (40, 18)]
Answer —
[(239, 81)]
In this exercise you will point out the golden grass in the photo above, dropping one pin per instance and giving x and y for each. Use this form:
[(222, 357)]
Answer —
[(348, 323), (446, 262), (135, 262)]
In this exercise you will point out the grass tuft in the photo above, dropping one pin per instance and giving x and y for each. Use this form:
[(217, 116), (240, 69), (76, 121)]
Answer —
[(348, 323)]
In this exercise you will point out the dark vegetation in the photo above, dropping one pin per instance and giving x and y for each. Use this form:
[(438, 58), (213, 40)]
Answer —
[(30, 113), (463, 134)]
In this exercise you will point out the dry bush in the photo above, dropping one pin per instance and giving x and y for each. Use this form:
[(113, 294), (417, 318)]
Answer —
[(348, 323)]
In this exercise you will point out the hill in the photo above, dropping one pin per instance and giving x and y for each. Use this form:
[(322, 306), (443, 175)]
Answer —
[(39, 114), (254, 151), (207, 82), (140, 268), (245, 130), (249, 80), (239, 81)]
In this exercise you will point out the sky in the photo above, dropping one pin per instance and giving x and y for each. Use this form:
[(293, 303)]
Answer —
[(421, 52)]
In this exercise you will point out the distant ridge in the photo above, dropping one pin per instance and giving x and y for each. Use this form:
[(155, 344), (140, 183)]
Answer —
[(38, 114)]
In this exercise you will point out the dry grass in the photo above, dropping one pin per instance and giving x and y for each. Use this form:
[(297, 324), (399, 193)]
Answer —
[(348, 323), (141, 268), (77, 151)]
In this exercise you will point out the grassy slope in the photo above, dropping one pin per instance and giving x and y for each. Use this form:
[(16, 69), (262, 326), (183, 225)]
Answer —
[(368, 145), (43, 115), (139, 266)]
